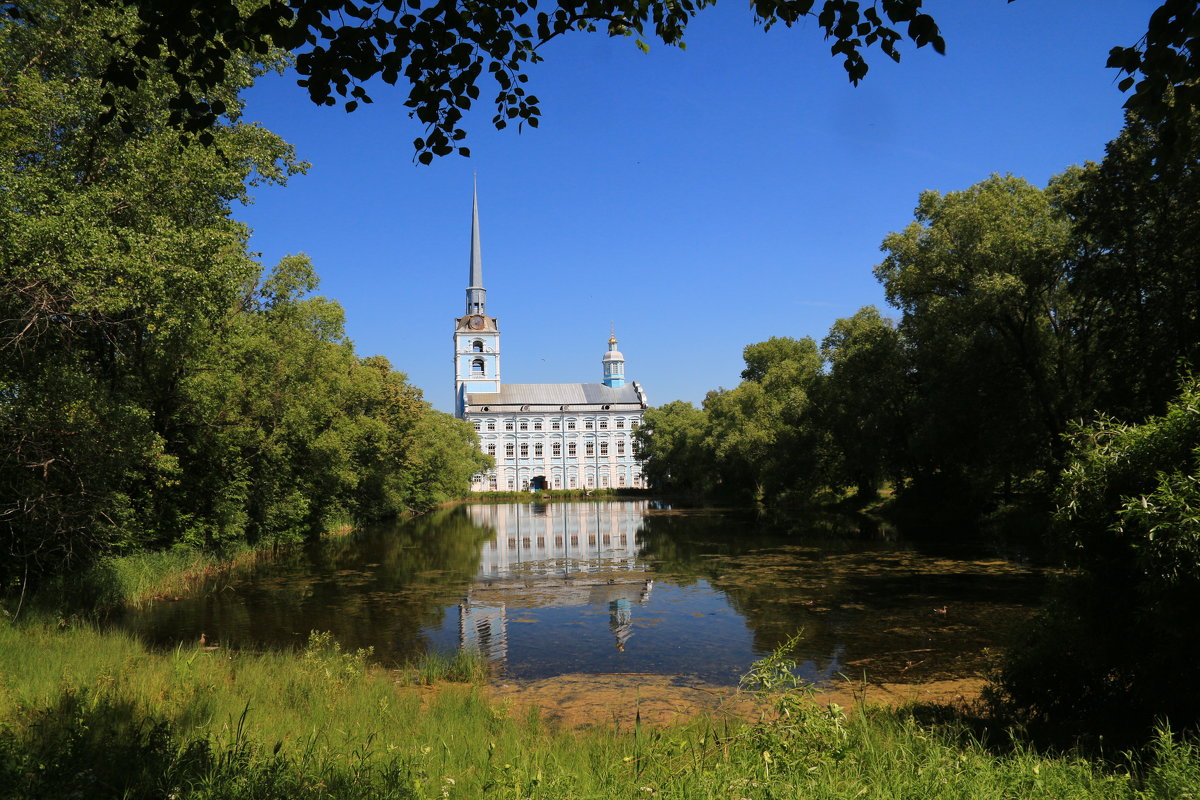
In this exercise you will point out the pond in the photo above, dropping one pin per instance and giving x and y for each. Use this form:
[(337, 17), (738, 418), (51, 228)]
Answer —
[(630, 587)]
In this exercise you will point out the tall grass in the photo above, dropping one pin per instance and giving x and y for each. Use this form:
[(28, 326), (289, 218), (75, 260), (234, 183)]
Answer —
[(433, 667), (136, 579), (146, 576), (96, 714)]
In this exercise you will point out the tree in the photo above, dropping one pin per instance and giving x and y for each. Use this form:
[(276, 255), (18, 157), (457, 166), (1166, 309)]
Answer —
[(117, 260), (864, 399), (1136, 224), (672, 451), (445, 455), (981, 278), (761, 432), (441, 48), (155, 388), (1163, 69)]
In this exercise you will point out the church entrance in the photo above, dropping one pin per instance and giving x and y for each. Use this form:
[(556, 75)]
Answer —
[(538, 483)]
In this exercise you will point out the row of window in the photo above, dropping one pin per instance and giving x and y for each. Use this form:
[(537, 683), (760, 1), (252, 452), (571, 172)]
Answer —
[(555, 425), (573, 483), (556, 449)]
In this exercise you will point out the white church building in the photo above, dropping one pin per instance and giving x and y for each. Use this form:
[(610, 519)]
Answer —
[(542, 435)]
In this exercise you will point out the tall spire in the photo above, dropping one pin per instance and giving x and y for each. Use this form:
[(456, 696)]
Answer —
[(476, 294)]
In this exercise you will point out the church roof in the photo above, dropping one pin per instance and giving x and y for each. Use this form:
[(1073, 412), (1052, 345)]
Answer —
[(577, 396)]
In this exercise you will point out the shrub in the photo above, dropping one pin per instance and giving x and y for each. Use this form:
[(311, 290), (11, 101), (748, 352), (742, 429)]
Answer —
[(1115, 650)]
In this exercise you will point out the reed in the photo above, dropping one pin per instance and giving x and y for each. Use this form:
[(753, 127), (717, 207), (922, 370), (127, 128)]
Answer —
[(433, 667)]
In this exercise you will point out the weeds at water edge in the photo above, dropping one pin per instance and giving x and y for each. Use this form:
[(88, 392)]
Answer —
[(464, 666)]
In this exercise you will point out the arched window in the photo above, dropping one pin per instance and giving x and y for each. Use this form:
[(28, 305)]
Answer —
[(477, 368), (477, 346)]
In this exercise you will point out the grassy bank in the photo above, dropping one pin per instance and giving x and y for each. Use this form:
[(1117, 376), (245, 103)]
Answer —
[(88, 713), (142, 577)]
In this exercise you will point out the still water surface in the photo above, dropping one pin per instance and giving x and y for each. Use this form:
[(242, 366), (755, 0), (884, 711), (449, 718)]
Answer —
[(629, 587)]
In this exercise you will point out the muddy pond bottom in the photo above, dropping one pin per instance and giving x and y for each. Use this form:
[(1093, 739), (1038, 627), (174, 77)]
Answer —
[(631, 588), (623, 701)]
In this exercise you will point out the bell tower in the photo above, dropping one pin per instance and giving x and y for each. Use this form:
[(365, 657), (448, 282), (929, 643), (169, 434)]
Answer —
[(476, 335)]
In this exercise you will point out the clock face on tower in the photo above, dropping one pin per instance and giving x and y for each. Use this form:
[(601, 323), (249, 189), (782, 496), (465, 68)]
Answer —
[(476, 322)]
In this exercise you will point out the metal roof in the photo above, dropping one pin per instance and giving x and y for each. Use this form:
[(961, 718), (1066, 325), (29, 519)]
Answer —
[(557, 394)]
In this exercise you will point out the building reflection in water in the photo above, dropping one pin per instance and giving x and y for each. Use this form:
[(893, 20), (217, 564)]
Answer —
[(620, 614), (563, 554)]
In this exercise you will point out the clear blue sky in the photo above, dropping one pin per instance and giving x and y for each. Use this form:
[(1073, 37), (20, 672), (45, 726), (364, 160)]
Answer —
[(700, 200)]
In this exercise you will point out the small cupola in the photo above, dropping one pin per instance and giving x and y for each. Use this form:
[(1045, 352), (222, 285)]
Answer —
[(614, 364)]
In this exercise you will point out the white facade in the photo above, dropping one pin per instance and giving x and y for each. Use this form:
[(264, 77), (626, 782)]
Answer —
[(563, 446), (542, 435)]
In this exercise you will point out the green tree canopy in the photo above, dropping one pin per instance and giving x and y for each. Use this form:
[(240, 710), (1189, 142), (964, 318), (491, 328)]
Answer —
[(672, 450), (155, 388), (118, 261), (981, 278), (759, 432), (864, 400), (1136, 225), (440, 49)]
